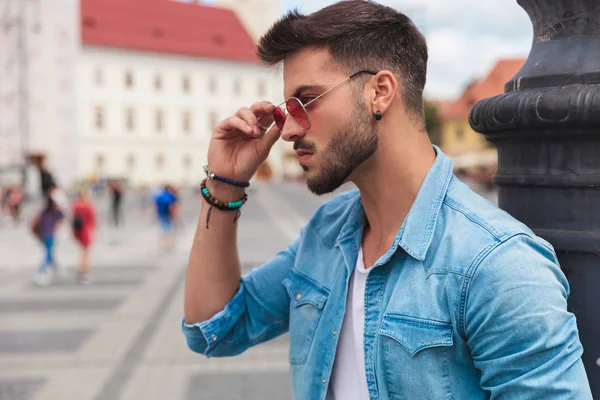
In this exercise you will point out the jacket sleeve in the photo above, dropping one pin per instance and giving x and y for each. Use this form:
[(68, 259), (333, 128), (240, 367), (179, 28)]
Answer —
[(521, 336), (258, 312)]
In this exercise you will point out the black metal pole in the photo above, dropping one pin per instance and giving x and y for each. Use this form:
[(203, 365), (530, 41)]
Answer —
[(546, 128)]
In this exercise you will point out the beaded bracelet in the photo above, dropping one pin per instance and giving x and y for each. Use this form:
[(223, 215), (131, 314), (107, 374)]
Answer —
[(210, 175), (221, 205)]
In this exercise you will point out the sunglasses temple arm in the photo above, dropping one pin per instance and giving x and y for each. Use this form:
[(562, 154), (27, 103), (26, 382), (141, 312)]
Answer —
[(327, 91)]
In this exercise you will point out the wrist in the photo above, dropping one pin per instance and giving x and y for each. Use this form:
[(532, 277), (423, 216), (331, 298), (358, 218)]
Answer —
[(210, 175), (224, 191)]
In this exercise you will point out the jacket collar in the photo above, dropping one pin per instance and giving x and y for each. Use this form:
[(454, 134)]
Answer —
[(416, 233)]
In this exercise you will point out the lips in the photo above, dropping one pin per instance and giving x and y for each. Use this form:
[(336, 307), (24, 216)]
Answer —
[(303, 156), (301, 153)]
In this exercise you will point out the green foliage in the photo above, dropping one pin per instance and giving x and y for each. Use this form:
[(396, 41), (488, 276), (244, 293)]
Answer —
[(432, 122)]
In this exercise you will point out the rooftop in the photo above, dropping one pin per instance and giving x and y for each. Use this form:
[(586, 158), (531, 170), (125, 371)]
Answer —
[(164, 26), (491, 85)]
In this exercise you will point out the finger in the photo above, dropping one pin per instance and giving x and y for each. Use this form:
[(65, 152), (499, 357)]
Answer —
[(262, 108), (263, 116), (271, 136), (248, 116), (264, 112), (234, 122)]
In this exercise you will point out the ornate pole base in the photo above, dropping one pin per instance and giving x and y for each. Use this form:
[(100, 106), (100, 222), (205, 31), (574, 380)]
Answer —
[(546, 128)]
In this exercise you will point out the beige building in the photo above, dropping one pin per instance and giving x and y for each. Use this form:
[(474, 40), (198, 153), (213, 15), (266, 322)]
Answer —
[(128, 89)]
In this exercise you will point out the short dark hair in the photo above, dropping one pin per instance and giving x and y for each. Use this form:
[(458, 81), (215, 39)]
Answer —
[(360, 35)]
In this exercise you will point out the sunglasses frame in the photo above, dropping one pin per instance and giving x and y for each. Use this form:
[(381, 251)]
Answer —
[(286, 111)]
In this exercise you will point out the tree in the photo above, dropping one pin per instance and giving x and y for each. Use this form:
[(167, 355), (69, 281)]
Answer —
[(432, 122)]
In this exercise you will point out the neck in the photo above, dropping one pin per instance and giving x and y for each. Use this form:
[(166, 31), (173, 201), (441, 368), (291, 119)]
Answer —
[(390, 180)]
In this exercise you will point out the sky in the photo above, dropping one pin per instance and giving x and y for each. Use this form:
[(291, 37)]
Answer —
[(465, 37)]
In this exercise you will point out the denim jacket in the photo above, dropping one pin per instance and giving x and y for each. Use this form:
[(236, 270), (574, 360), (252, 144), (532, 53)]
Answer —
[(468, 303)]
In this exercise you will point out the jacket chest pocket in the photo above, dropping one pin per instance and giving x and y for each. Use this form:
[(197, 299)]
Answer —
[(307, 299), (416, 355)]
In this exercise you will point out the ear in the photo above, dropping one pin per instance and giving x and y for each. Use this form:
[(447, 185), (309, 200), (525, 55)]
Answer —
[(385, 90)]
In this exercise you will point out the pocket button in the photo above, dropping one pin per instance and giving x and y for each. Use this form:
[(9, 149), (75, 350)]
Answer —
[(298, 296)]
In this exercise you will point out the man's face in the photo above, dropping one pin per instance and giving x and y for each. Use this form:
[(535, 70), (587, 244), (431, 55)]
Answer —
[(343, 132)]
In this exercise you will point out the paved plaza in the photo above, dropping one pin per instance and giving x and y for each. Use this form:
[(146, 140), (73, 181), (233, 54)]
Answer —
[(120, 337)]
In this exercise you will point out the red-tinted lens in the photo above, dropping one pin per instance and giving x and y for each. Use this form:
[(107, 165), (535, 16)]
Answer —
[(279, 117), (296, 110)]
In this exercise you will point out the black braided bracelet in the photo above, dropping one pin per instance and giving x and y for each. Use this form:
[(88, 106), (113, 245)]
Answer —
[(221, 205), (210, 175)]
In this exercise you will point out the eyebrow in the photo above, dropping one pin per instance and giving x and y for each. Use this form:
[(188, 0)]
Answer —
[(304, 88)]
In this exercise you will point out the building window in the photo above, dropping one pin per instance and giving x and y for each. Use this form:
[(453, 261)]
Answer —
[(130, 119), (212, 120), (262, 89), (237, 86), (99, 117), (212, 85), (159, 161), (159, 120), (186, 84), (157, 83), (187, 122), (128, 80), (98, 77), (130, 162)]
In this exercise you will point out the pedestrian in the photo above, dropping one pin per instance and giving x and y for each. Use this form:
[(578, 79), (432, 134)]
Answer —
[(4, 212), (167, 211), (47, 181), (44, 227), (116, 200), (14, 203), (411, 286), (84, 229)]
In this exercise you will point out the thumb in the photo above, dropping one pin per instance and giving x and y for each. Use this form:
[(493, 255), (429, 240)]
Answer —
[(268, 140)]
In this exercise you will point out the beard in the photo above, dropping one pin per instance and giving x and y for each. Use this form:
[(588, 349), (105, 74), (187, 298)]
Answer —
[(349, 147)]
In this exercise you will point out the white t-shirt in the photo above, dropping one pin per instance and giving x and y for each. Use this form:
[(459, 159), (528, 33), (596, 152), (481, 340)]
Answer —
[(348, 378)]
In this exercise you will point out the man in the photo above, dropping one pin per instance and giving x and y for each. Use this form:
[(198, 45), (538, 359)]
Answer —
[(412, 287), (166, 212), (116, 196), (47, 181)]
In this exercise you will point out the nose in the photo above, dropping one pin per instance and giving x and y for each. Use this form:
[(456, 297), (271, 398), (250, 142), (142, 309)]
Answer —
[(292, 130)]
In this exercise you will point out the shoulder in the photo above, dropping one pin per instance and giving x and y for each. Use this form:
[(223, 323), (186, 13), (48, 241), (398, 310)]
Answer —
[(330, 217), (470, 227)]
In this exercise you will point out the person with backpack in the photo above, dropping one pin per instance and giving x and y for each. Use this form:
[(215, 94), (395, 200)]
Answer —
[(84, 227), (45, 226)]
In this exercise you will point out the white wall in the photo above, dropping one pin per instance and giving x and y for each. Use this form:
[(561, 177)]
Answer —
[(53, 63), (47, 58), (10, 129), (115, 143)]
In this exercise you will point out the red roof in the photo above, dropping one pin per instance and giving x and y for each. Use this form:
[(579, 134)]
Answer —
[(490, 86), (165, 26)]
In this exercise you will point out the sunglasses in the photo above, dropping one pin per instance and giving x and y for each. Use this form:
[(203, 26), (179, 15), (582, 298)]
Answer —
[(295, 107)]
